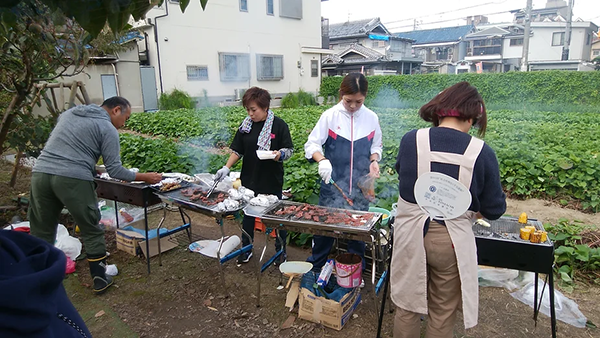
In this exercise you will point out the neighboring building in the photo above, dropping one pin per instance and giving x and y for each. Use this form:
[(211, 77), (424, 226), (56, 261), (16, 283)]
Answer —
[(595, 49), (109, 76), (493, 48), (439, 48), (218, 53), (546, 44), (367, 46), (555, 10)]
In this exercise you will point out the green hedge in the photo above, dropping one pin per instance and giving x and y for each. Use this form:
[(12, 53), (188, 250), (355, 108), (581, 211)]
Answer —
[(541, 154), (510, 89)]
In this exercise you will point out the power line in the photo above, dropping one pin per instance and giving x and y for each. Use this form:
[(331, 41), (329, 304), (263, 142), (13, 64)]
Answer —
[(446, 12), (447, 20)]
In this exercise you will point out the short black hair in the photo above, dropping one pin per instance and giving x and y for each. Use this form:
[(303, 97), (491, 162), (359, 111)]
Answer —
[(114, 101)]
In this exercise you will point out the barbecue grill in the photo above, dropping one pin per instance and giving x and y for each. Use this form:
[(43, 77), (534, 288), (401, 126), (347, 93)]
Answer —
[(179, 199), (139, 194), (500, 246), (367, 231)]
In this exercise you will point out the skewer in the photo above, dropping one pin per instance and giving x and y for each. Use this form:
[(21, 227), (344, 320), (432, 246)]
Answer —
[(341, 191)]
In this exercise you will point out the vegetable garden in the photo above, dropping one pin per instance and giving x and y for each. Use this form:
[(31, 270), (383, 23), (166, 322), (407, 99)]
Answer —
[(541, 154), (543, 127)]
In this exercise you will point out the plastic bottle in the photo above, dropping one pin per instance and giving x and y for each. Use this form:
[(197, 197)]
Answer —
[(325, 273)]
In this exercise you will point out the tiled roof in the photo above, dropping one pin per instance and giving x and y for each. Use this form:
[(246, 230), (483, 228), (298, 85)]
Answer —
[(437, 35), (352, 28), (370, 54)]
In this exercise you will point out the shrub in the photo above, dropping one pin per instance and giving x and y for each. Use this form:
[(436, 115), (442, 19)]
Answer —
[(176, 99), (507, 90), (297, 100)]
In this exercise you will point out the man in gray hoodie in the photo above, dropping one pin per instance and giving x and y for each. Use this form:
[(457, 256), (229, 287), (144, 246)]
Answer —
[(63, 175)]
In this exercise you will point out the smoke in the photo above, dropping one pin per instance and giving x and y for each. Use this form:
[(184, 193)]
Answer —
[(388, 97)]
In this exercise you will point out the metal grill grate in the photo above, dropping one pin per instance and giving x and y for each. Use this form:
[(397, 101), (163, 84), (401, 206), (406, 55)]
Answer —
[(505, 228)]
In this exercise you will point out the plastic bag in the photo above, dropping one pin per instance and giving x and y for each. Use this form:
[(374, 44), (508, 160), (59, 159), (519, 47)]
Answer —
[(70, 266), (503, 278), (566, 310), (367, 185), (71, 246)]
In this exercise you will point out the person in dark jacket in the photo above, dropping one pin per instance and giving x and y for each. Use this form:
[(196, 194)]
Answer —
[(33, 301), (260, 130), (63, 176)]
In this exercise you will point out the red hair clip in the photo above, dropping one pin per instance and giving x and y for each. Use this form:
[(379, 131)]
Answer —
[(448, 112)]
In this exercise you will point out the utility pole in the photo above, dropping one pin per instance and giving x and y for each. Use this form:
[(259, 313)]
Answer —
[(525, 59), (567, 41)]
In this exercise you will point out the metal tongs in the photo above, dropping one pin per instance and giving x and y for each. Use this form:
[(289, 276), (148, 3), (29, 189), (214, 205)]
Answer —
[(341, 191), (210, 191)]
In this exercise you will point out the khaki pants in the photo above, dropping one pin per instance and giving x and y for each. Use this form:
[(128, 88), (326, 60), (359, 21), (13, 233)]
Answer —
[(443, 290), (49, 193)]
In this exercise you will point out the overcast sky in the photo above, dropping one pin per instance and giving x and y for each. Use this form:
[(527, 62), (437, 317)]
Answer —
[(400, 15)]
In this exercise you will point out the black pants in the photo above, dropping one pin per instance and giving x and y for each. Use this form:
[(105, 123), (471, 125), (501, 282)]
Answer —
[(248, 226)]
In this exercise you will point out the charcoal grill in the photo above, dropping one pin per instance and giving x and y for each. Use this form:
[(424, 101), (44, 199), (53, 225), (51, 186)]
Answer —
[(367, 232), (139, 194), (500, 246), (175, 197)]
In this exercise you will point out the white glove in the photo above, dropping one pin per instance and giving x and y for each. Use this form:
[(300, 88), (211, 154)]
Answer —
[(325, 170), (221, 174)]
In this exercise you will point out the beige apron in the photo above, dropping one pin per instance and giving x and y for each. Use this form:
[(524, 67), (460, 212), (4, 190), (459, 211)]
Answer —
[(409, 267)]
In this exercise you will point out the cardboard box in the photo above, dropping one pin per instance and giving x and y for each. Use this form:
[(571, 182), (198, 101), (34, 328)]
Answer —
[(328, 312), (135, 244), (128, 241)]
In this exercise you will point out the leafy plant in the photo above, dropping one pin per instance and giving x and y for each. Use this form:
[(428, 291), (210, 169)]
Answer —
[(498, 89), (574, 253), (176, 99), (297, 100)]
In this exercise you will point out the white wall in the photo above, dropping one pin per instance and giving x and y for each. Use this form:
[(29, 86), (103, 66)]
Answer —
[(128, 81), (541, 49), (510, 52), (196, 38)]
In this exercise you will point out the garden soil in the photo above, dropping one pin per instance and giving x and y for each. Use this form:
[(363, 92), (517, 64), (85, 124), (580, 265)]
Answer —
[(186, 298)]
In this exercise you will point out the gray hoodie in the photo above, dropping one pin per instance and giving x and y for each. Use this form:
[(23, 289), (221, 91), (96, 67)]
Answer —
[(82, 134)]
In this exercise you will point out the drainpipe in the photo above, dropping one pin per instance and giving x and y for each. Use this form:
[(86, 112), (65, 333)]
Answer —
[(116, 77), (157, 44)]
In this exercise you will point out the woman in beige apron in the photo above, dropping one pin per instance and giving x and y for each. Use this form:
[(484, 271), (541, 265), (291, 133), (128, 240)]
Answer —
[(434, 262)]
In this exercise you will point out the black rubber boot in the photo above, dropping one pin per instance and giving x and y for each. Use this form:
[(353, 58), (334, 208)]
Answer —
[(98, 271)]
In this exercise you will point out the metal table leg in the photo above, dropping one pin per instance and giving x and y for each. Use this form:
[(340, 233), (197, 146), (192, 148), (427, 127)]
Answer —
[(552, 307), (535, 297), (117, 214), (220, 223), (147, 241), (160, 224), (260, 270), (188, 230)]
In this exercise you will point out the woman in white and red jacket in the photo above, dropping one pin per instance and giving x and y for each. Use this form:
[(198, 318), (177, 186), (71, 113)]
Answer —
[(346, 142)]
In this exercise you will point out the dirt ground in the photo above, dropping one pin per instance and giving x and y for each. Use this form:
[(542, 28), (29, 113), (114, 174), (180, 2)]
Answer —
[(185, 297)]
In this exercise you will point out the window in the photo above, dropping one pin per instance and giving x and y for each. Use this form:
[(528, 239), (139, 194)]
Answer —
[(290, 9), (197, 73), (588, 39), (243, 5), (234, 66), (378, 44), (314, 68), (596, 52), (558, 38), (269, 67), (487, 47), (270, 9), (516, 42)]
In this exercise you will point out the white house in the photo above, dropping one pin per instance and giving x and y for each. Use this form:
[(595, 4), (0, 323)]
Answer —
[(233, 45), (546, 44), (108, 76)]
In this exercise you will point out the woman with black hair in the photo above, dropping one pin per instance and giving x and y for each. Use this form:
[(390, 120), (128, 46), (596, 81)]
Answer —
[(434, 262)]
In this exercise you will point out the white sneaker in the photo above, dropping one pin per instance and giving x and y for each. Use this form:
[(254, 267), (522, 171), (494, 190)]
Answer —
[(362, 283)]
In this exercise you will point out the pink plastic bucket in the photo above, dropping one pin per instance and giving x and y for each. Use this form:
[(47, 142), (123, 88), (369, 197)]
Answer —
[(348, 270)]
